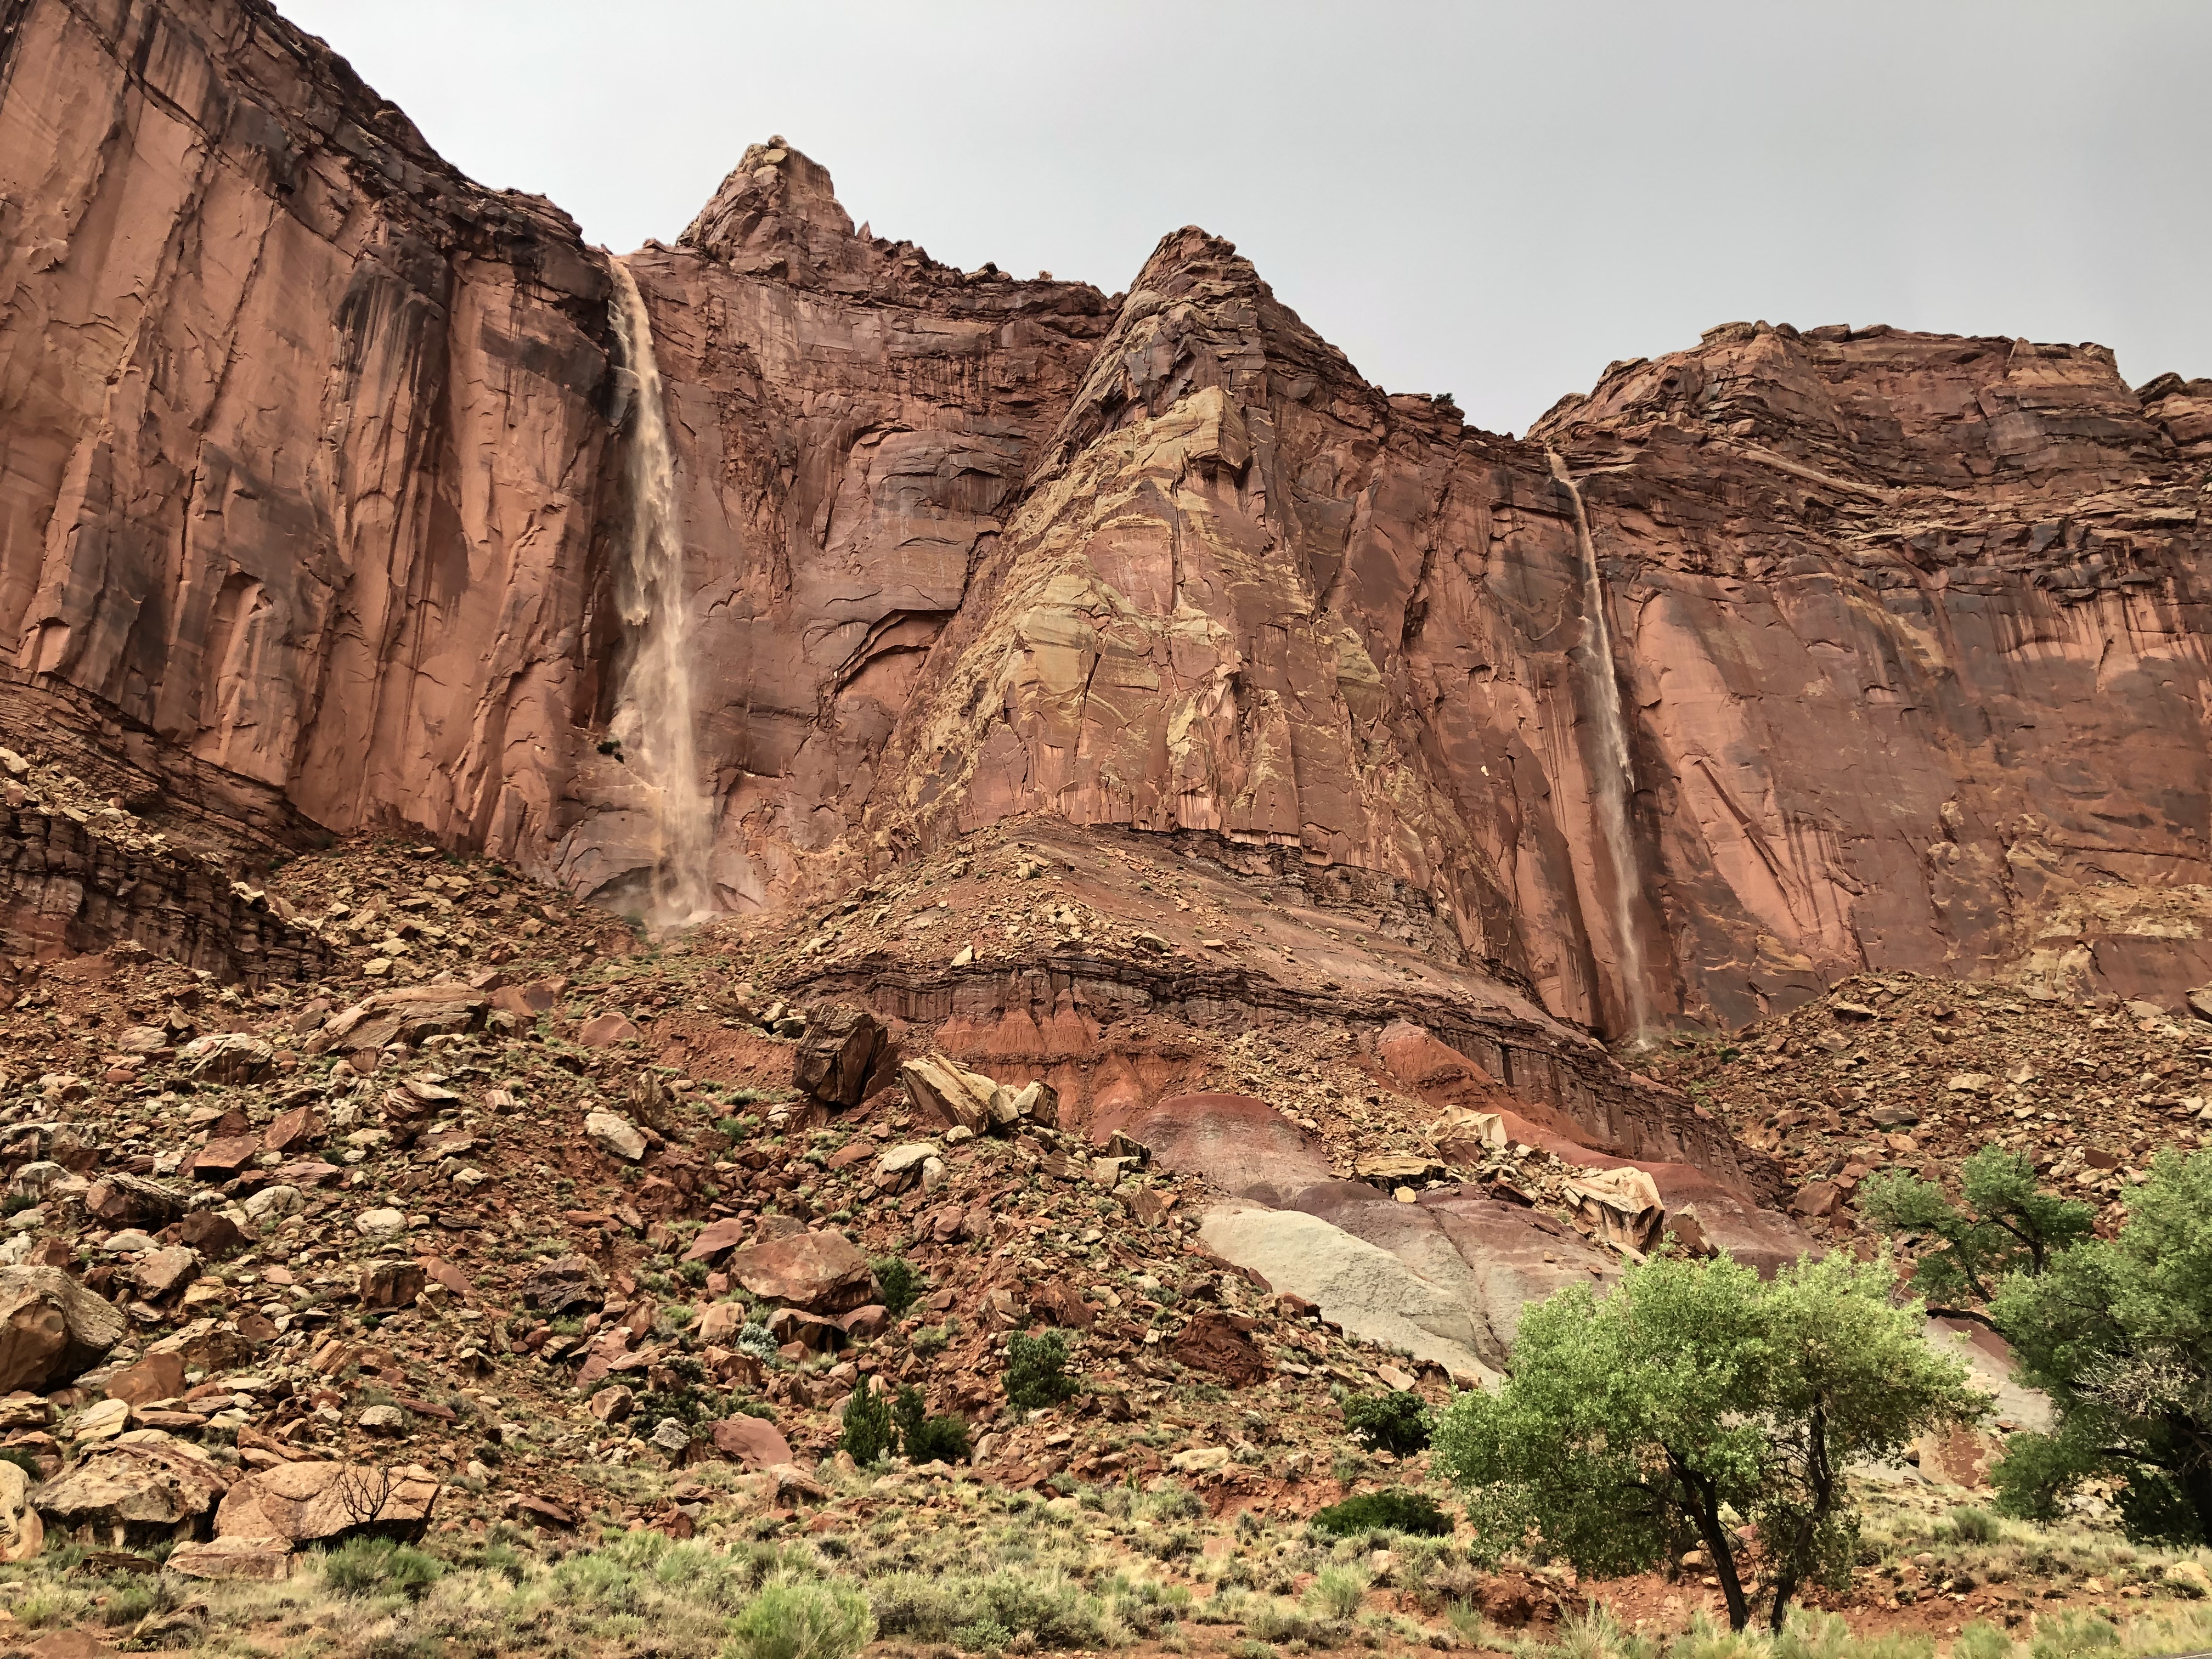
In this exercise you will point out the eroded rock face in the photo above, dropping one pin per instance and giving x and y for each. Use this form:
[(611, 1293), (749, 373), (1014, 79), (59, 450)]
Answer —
[(1905, 631), (304, 430)]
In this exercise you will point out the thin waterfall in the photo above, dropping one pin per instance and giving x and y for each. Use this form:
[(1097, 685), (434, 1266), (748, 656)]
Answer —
[(654, 719), (1613, 774)]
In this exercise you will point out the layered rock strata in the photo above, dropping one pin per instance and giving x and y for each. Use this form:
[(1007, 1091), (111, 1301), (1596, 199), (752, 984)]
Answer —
[(314, 474)]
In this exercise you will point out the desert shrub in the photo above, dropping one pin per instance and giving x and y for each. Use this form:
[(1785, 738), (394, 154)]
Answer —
[(802, 1618), (1982, 1640), (1339, 1591), (1053, 1610), (2072, 1635), (1971, 1526), (1397, 1511), (378, 1566), (1036, 1370), (1397, 1422), (899, 1281), (868, 1421)]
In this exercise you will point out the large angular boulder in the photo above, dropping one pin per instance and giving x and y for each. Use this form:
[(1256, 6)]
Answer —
[(303, 1503), (837, 1054), (122, 1200), (52, 1328), (138, 1489), (615, 1135), (563, 1283), (951, 1094), (822, 1272), (228, 1057)]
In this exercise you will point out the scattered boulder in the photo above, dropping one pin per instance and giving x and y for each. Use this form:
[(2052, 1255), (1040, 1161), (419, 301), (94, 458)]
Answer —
[(386, 1284), (211, 1233), (138, 1489), (752, 1441), (122, 1200), (160, 1271), (948, 1093), (821, 1272), (229, 1057), (267, 1560), (615, 1135), (307, 1503), (22, 1535), (1213, 1342), (837, 1054), (605, 1031), (157, 1377), (52, 1328), (554, 1287), (714, 1238)]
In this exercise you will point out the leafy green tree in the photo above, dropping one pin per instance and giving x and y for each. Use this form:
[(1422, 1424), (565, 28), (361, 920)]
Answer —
[(1693, 1392), (1397, 1422), (867, 1423), (2008, 1224), (2118, 1332)]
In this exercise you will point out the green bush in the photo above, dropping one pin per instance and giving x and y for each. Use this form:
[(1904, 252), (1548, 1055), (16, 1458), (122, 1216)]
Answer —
[(899, 1282), (1054, 1609), (868, 1421), (1036, 1371), (802, 1618), (378, 1566), (1397, 1511), (927, 1439), (1397, 1422)]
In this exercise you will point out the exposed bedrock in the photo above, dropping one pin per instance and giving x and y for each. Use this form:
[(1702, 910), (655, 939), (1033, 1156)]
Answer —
[(311, 475)]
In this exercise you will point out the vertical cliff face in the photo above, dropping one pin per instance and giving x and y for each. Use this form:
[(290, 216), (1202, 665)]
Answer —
[(854, 422), (314, 487), (303, 430), (1916, 630)]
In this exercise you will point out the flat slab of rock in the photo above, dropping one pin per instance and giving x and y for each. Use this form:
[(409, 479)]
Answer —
[(266, 1560), (605, 1031), (715, 1237), (1361, 1286), (823, 1273)]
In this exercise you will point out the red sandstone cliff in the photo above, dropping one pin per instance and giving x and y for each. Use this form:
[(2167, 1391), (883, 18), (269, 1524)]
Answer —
[(309, 483)]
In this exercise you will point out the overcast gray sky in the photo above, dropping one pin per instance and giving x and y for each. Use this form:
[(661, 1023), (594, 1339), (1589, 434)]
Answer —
[(1489, 200)]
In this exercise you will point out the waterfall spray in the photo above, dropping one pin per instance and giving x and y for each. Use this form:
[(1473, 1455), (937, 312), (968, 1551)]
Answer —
[(654, 718), (1613, 773)]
